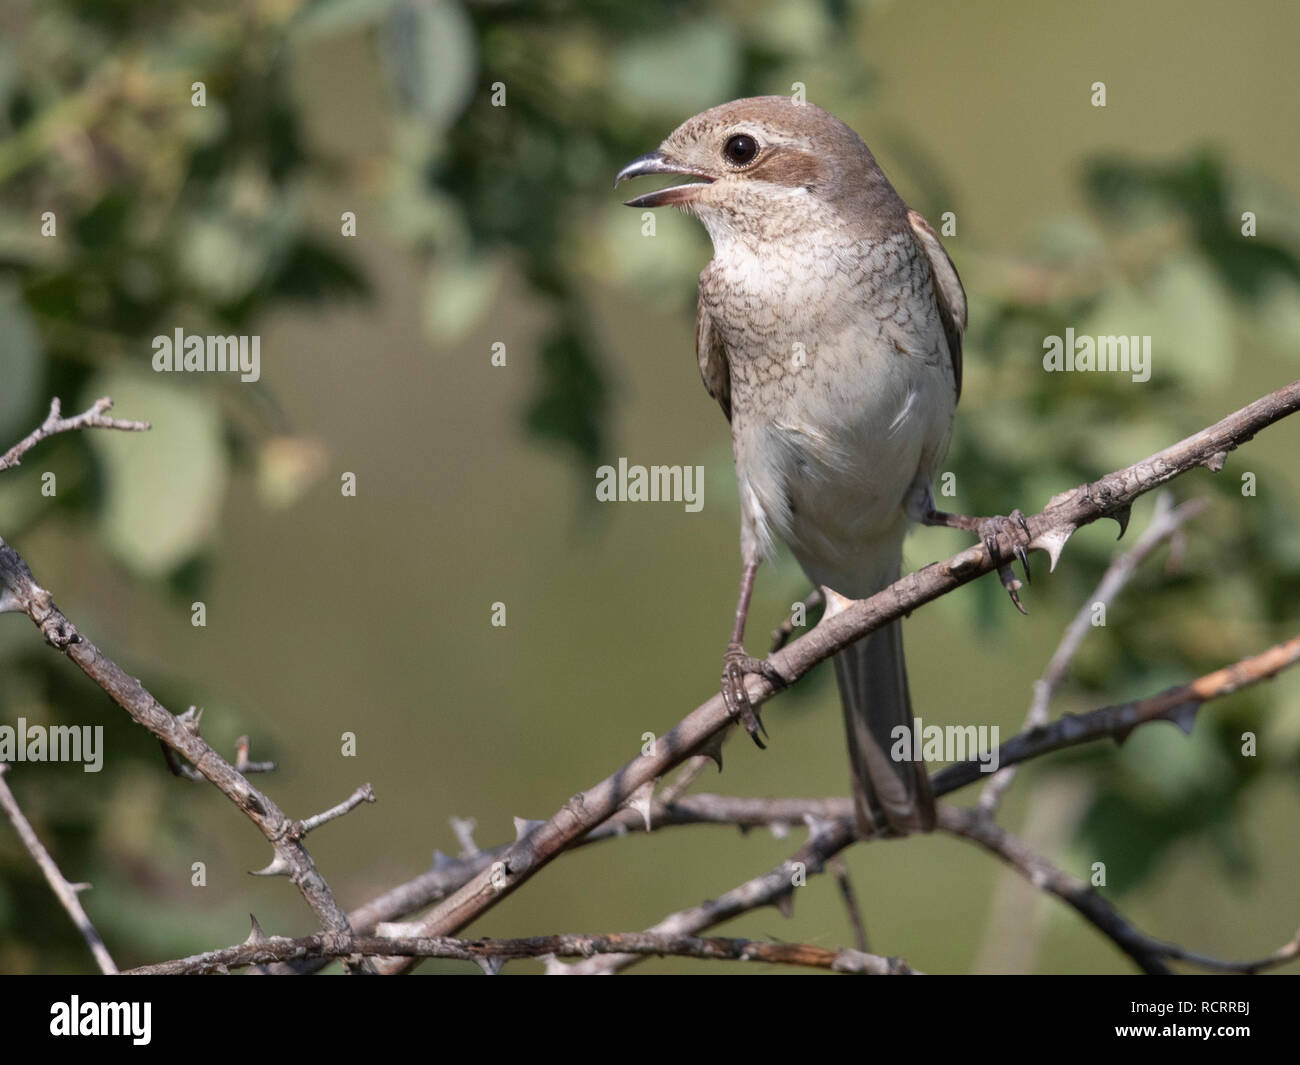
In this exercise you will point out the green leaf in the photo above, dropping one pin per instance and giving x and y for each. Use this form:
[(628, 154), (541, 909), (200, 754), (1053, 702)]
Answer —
[(431, 54), (163, 488)]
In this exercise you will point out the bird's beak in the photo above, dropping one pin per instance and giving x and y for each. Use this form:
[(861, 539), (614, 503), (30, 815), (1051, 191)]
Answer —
[(655, 163)]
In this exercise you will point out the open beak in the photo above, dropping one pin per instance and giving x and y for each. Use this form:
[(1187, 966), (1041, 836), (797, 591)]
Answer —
[(655, 163)]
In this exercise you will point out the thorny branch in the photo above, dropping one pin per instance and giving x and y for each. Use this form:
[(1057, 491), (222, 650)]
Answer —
[(491, 954), (20, 592), (625, 798), (831, 820), (701, 731), (1166, 523)]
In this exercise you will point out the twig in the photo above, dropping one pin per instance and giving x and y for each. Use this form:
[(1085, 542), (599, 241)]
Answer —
[(1165, 522), (780, 814), (65, 892), (1177, 705), (491, 954), (773, 888), (978, 827), (19, 591), (54, 423), (363, 794), (1110, 496), (841, 873), (1149, 954)]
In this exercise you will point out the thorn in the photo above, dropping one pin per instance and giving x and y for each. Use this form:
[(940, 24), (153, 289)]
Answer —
[(442, 861), (79, 888), (523, 827), (1053, 542), (1215, 462), (1184, 716), (554, 967), (785, 904), (278, 867), (491, 964), (256, 935), (190, 719), (1121, 516), (464, 827), (817, 826), (639, 801), (712, 748)]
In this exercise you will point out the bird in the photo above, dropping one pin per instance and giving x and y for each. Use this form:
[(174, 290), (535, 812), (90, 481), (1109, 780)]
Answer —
[(829, 330)]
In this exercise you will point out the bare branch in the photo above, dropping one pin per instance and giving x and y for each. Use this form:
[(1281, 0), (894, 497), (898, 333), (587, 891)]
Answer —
[(841, 873), (94, 418), (773, 888), (1110, 496), (1165, 523), (65, 892), (1177, 705), (365, 793), (19, 591), (493, 953), (780, 814), (1149, 954)]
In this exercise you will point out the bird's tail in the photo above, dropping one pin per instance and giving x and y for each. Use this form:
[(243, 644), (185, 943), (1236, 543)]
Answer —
[(890, 797)]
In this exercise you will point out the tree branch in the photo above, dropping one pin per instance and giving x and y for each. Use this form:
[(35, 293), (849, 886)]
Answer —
[(1167, 522), (1150, 954), (54, 423), (1110, 496), (65, 892), (20, 592), (492, 954)]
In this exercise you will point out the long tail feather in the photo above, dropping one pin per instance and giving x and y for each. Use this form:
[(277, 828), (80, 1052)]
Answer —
[(890, 797)]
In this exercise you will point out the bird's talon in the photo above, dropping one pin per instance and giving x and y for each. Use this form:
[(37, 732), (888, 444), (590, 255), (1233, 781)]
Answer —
[(1012, 585), (1023, 555), (736, 664), (1016, 528)]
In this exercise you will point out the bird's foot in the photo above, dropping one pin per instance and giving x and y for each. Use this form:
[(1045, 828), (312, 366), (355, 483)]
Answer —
[(736, 664), (1016, 529), (1013, 526)]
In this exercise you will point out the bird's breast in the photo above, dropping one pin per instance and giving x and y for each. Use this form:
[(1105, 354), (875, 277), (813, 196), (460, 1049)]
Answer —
[(840, 395)]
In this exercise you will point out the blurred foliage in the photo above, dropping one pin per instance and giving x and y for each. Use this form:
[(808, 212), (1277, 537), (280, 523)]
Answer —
[(171, 215)]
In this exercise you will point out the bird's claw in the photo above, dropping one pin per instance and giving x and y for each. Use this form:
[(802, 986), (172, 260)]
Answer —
[(736, 664), (1016, 528)]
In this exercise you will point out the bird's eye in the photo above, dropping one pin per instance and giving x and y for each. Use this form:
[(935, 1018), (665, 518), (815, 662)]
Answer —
[(740, 149)]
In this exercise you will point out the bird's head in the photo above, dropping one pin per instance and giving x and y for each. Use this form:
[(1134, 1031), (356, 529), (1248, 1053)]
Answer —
[(763, 162)]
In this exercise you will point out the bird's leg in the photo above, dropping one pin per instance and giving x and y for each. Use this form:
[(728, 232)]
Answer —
[(736, 664), (1014, 526)]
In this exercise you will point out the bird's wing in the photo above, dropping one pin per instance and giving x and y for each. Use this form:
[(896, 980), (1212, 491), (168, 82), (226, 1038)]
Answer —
[(713, 359), (948, 292)]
